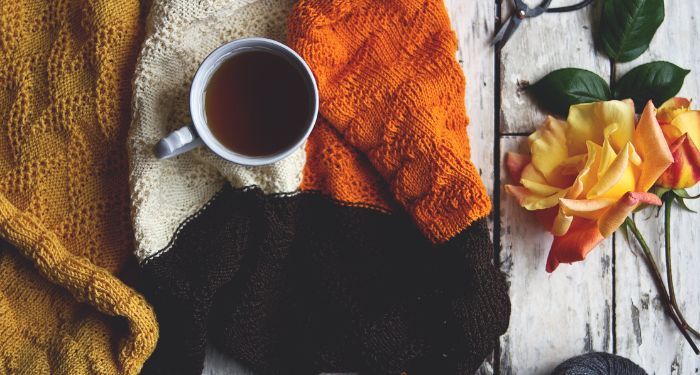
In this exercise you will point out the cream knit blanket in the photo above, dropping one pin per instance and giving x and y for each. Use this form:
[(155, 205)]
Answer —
[(180, 34)]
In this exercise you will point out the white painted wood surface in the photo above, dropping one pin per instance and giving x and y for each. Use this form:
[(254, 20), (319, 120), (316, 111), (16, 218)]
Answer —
[(474, 24), (644, 334), (554, 316), (575, 309), (539, 46)]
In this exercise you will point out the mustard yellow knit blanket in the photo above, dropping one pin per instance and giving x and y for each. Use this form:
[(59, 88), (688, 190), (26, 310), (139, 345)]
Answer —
[(65, 84)]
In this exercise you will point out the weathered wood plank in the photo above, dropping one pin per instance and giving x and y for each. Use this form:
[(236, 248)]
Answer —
[(555, 316), (539, 46), (643, 332), (474, 22)]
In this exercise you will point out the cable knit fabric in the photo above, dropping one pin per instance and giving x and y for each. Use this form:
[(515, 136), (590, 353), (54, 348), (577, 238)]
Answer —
[(598, 363), (302, 284), (65, 77), (367, 250), (390, 84)]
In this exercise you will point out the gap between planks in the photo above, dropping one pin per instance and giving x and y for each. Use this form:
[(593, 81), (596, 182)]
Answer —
[(497, 169)]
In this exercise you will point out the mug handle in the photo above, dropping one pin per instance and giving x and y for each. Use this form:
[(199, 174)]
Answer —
[(177, 142)]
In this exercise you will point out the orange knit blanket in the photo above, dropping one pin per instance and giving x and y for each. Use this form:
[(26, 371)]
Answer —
[(398, 97)]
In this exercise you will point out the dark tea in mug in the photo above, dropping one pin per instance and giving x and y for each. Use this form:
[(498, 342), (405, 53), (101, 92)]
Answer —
[(257, 103)]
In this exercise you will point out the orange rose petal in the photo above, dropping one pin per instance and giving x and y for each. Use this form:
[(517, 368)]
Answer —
[(685, 170), (688, 123), (540, 189), (519, 192), (549, 150), (619, 119), (652, 147), (591, 121), (531, 201), (671, 108), (587, 176), (583, 127), (531, 173), (615, 215), (616, 172), (582, 237), (572, 165), (547, 217), (515, 163), (562, 223), (584, 234), (586, 208), (671, 133)]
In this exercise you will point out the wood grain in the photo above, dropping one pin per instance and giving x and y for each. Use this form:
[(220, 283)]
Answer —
[(555, 316), (539, 46), (474, 23), (644, 333)]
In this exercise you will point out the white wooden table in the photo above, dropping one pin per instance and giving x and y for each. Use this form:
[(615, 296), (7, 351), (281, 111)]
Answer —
[(609, 302)]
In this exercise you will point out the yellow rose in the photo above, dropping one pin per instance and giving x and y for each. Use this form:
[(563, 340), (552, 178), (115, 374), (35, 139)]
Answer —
[(681, 128), (586, 174)]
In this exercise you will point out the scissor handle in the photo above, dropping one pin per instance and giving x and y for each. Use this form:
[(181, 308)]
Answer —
[(527, 12), (523, 11)]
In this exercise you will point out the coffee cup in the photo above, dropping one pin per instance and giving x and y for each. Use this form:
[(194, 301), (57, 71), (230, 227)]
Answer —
[(253, 102)]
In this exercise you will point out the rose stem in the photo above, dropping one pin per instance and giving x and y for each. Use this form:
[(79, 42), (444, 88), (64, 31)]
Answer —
[(668, 205), (651, 264)]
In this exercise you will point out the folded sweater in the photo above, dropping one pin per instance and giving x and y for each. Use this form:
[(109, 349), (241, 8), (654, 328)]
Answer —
[(367, 250), (65, 91)]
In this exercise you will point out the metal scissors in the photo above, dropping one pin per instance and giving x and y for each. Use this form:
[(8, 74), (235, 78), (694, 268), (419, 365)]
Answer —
[(522, 11)]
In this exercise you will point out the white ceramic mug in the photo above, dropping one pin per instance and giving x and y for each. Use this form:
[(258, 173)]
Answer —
[(198, 134)]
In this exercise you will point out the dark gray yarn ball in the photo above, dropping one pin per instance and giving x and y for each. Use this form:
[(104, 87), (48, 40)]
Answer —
[(598, 364)]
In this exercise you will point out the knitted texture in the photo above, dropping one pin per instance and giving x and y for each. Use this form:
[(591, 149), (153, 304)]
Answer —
[(65, 79), (180, 34), (339, 171), (302, 284), (598, 364), (343, 257), (390, 84)]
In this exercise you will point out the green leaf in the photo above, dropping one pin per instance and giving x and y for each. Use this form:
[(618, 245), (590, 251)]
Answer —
[(562, 88), (624, 230), (681, 193), (684, 194), (656, 81), (681, 202), (627, 27)]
